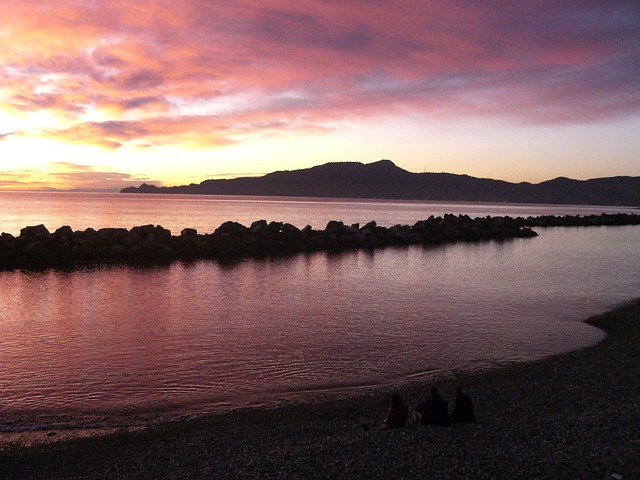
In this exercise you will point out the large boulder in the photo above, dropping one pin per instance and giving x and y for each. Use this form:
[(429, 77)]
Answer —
[(275, 227), (189, 232), (259, 226), (7, 242), (333, 226), (234, 228), (112, 236), (290, 229), (161, 235), (142, 232), (36, 232), (38, 252), (65, 231)]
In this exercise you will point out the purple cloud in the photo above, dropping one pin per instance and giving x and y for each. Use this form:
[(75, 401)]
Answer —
[(302, 65)]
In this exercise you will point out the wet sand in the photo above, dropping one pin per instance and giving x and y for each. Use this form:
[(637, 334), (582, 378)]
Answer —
[(572, 416)]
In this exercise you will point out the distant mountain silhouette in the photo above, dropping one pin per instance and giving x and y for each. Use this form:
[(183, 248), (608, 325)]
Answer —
[(383, 179)]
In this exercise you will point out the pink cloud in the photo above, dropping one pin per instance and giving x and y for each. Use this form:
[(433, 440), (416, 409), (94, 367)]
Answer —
[(68, 175), (242, 66), (90, 177)]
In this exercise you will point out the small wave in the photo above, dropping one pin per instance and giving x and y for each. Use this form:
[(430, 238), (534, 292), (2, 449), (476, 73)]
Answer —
[(75, 426)]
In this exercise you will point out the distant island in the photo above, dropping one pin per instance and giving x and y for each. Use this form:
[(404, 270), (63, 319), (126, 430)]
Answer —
[(384, 180)]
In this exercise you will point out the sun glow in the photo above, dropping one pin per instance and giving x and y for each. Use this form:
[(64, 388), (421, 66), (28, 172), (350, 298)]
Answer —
[(182, 92)]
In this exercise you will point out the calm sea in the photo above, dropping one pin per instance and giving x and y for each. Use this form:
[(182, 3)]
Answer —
[(110, 345)]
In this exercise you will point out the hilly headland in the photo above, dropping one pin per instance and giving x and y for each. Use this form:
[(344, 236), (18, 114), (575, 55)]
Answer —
[(384, 180)]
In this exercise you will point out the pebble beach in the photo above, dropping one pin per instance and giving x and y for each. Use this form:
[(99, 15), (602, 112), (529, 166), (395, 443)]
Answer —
[(572, 416)]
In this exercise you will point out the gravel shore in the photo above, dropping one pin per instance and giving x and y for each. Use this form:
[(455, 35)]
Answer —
[(573, 416)]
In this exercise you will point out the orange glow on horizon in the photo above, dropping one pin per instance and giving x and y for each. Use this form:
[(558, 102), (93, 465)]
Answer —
[(182, 92)]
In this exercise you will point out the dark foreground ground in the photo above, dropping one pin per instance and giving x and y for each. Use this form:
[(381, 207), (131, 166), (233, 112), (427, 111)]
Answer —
[(575, 416)]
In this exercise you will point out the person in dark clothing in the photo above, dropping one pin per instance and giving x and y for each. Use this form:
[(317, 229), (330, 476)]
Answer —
[(434, 409), (462, 408), (396, 416)]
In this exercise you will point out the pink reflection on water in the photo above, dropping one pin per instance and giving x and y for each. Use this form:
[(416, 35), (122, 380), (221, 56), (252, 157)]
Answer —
[(207, 212), (118, 344)]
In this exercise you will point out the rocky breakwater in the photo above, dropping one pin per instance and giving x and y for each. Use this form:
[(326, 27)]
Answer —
[(603, 220), (37, 247)]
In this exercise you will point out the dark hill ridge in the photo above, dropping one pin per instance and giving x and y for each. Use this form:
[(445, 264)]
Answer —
[(383, 179)]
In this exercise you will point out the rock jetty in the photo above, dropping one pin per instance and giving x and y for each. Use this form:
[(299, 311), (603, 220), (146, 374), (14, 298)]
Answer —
[(37, 247)]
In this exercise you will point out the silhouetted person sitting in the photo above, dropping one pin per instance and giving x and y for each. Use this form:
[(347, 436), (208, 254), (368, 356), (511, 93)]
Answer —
[(462, 408), (396, 416), (434, 409)]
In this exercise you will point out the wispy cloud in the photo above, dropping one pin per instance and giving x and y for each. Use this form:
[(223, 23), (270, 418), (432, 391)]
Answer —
[(60, 175), (91, 177), (18, 178), (212, 73)]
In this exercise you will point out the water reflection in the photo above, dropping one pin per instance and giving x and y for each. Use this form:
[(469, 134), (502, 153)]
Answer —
[(119, 343), (207, 212)]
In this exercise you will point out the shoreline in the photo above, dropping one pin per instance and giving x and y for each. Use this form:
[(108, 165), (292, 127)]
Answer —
[(574, 415)]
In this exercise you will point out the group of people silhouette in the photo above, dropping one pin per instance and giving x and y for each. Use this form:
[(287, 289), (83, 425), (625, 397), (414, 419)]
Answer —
[(433, 411)]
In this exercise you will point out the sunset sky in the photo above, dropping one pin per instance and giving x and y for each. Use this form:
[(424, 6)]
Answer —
[(98, 94)]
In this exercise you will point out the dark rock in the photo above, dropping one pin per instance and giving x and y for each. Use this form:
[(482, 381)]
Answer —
[(38, 232), (189, 232), (162, 235), (287, 228), (370, 226), (65, 231), (38, 252), (112, 236), (352, 231), (233, 228), (275, 227), (259, 226), (7, 242), (333, 226), (150, 243), (142, 232), (118, 251)]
